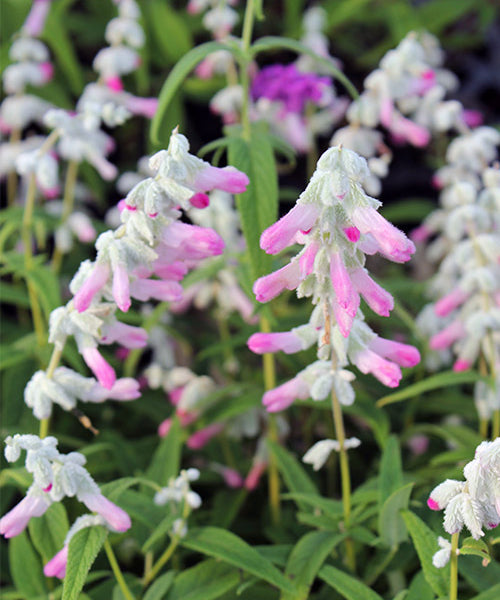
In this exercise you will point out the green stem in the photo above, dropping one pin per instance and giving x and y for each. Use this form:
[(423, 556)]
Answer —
[(117, 572), (68, 202), (53, 363), (454, 566), (272, 429), (246, 39), (15, 137), (164, 558), (495, 431), (345, 476)]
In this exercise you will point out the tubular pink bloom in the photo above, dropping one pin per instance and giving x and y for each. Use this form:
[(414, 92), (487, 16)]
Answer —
[(126, 388), (420, 234), (175, 270), (186, 417), (56, 567), (281, 234), (461, 365), (94, 282), (122, 353), (16, 520), (386, 112), (227, 179), (268, 287), (106, 170), (175, 395), (448, 336), (47, 71), (194, 242), (285, 394), (341, 282), (287, 342), (166, 291), (352, 233), (199, 200), (232, 478), (343, 317), (448, 303), (402, 354), (121, 287), (378, 299), (35, 20), (393, 243), (126, 335), (472, 118), (164, 427), (200, 438), (99, 366), (116, 517), (145, 107), (432, 504), (114, 83), (415, 134), (306, 259), (385, 371), (252, 479)]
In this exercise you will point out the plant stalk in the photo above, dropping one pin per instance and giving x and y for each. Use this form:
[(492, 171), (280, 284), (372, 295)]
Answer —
[(68, 203), (246, 39), (115, 567), (454, 566)]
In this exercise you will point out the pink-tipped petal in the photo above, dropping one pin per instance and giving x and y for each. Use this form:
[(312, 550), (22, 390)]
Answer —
[(121, 287), (378, 299), (448, 303), (448, 336), (432, 504), (284, 395), (200, 438), (94, 282), (288, 342), (281, 234), (402, 354), (116, 517), (100, 367), (228, 179), (199, 200), (56, 567), (385, 371), (268, 287)]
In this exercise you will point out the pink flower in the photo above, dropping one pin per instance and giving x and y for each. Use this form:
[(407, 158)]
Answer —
[(472, 118), (99, 366), (341, 283), (448, 336), (284, 395), (126, 335), (93, 284), (448, 303), (145, 107), (164, 427), (121, 287), (16, 520), (166, 291), (432, 504), (192, 241), (56, 567), (420, 234), (402, 354), (35, 20), (252, 479), (461, 365), (392, 242), (231, 476), (343, 317), (288, 342), (199, 200), (116, 517), (227, 179), (378, 299), (385, 371), (268, 287), (200, 438), (281, 234), (125, 388)]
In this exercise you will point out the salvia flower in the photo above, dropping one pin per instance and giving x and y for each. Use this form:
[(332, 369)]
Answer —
[(55, 476), (179, 495), (318, 454), (337, 224), (475, 502)]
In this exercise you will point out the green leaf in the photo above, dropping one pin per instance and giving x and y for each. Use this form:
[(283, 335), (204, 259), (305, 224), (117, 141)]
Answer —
[(48, 531), (167, 458), (480, 578), (160, 587), (228, 547), (425, 542), (267, 43), (83, 549), (295, 476), (306, 559), (493, 593), (46, 285), (332, 508), (258, 206), (391, 470), (419, 589), (175, 78), (160, 531), (432, 383), (206, 581), (391, 526), (169, 30), (25, 567), (476, 548), (346, 585)]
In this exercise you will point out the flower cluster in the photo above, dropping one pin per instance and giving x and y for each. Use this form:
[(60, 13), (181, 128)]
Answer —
[(179, 495), (475, 502), (337, 224), (55, 476)]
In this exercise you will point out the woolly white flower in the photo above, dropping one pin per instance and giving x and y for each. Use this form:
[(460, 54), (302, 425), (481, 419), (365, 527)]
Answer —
[(318, 454)]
